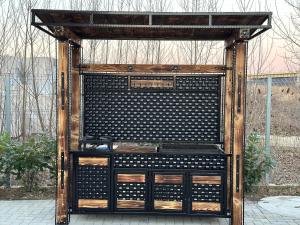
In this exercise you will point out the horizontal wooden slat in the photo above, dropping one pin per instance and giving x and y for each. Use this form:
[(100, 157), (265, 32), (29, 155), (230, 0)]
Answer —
[(130, 204), (207, 179), (206, 206), (168, 179), (92, 203), (168, 205), (152, 68), (131, 178), (94, 161), (152, 83)]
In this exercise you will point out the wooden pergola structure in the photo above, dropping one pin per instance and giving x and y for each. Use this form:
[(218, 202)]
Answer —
[(71, 27)]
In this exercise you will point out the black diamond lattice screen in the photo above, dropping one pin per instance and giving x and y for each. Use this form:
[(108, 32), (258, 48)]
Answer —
[(187, 111)]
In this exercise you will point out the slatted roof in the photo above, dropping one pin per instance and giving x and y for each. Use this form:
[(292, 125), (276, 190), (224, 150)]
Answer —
[(67, 24)]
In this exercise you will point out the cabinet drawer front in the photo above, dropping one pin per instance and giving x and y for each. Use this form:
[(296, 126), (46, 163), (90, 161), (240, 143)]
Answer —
[(168, 192), (93, 183), (207, 194), (130, 191)]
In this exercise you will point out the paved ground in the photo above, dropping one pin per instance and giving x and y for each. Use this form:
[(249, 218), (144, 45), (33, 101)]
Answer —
[(32, 212)]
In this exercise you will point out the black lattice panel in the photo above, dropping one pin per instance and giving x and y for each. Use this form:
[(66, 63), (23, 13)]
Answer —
[(92, 182), (168, 192), (164, 161), (151, 115), (131, 191), (198, 83), (96, 82), (206, 192)]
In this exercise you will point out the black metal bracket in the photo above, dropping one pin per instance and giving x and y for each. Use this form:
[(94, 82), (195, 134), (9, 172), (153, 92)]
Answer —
[(237, 175), (174, 68), (62, 171), (130, 68), (62, 90)]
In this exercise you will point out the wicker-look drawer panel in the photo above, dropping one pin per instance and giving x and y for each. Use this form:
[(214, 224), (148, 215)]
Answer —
[(170, 161), (92, 182)]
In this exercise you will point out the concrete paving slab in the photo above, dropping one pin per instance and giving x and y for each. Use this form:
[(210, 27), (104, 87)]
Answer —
[(288, 206), (41, 212)]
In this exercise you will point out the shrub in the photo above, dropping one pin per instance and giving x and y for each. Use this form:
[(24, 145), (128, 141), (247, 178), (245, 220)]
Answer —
[(257, 163), (28, 159), (7, 157), (35, 155)]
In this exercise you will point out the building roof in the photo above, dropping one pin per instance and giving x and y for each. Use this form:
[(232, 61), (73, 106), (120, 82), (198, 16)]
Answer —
[(67, 24)]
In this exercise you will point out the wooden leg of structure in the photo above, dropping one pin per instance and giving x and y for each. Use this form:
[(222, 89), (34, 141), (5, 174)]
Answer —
[(62, 134), (228, 120), (238, 133), (75, 109)]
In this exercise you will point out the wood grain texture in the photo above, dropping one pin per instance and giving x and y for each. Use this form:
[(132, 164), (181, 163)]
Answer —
[(130, 204), (239, 131), (168, 205), (153, 68), (228, 118), (168, 179), (93, 161), (131, 178), (206, 179), (62, 134), (93, 203), (206, 206), (152, 84), (75, 100)]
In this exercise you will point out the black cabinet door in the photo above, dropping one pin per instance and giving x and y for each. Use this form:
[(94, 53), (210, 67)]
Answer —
[(92, 183), (207, 193), (168, 192), (131, 190)]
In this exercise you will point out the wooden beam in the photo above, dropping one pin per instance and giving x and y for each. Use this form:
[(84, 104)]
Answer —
[(152, 68), (62, 134), (65, 34), (75, 98), (239, 131), (228, 119)]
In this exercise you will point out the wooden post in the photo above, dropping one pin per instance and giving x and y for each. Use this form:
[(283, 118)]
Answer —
[(228, 119), (238, 133), (62, 134), (75, 112)]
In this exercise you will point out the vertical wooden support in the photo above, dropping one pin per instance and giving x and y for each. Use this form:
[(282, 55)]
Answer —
[(228, 119), (62, 134), (238, 133), (75, 109)]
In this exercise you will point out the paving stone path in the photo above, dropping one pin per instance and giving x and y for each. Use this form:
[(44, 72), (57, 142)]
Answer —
[(41, 212)]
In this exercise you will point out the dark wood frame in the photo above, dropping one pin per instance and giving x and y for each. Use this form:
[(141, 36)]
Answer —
[(69, 33)]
